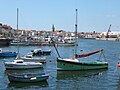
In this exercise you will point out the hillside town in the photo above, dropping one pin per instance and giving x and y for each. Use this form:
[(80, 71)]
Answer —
[(38, 37)]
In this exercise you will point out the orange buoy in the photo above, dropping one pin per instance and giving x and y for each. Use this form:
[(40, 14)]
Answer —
[(118, 65)]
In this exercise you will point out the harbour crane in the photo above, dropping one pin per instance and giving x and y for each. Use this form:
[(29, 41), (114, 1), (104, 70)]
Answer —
[(107, 35)]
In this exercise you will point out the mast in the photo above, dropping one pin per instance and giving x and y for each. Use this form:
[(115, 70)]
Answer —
[(76, 32), (55, 48), (17, 30)]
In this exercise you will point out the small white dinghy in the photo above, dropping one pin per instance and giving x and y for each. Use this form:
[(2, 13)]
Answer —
[(20, 64)]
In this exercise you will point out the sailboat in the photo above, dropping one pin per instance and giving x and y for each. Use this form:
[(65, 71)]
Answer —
[(19, 63), (75, 64)]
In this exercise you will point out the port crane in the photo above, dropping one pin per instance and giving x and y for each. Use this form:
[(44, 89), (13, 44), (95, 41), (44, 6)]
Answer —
[(107, 35)]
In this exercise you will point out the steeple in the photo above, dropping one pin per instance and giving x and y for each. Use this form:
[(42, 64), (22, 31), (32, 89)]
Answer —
[(53, 28)]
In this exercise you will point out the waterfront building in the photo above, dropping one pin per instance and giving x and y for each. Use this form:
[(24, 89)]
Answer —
[(112, 34)]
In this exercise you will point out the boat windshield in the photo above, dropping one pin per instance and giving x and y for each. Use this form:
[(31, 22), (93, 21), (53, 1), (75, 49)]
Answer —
[(18, 61), (28, 56)]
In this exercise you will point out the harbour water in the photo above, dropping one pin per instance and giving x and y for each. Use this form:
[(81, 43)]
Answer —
[(71, 80)]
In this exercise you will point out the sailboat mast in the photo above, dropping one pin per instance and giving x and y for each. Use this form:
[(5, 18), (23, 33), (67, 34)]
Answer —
[(17, 30), (76, 32)]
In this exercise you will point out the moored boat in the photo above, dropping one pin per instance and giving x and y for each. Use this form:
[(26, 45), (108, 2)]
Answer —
[(5, 41), (29, 78), (15, 43), (75, 64), (41, 52), (7, 53), (30, 58), (20, 64)]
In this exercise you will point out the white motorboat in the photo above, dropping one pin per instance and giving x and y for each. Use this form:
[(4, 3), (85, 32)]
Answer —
[(20, 64), (30, 58), (40, 52)]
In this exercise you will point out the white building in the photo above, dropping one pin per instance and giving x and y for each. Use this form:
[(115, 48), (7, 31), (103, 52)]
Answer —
[(115, 34)]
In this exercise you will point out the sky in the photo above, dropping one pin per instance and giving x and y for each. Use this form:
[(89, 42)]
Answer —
[(93, 15)]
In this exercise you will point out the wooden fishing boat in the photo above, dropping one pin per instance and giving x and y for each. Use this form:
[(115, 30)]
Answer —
[(20, 64), (75, 63), (7, 53), (29, 78)]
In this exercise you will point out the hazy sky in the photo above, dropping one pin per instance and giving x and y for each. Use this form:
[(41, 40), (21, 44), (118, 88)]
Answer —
[(93, 15)]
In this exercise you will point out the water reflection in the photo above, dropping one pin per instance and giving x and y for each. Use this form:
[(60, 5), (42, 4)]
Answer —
[(118, 83), (82, 80), (15, 85), (63, 75)]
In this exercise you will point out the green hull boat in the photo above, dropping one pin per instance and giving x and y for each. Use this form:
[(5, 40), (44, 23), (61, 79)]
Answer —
[(75, 64)]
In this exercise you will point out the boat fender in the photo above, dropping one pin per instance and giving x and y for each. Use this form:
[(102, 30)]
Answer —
[(33, 78), (43, 44), (25, 76)]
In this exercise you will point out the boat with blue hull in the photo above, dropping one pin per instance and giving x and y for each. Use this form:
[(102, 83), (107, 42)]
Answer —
[(7, 53), (29, 78)]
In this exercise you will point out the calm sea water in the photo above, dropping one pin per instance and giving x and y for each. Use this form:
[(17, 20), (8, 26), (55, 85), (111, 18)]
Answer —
[(71, 80)]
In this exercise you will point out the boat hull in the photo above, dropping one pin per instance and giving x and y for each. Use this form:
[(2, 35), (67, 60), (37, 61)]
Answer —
[(67, 65), (5, 41), (8, 54), (28, 78), (21, 67), (42, 60), (65, 44), (41, 52)]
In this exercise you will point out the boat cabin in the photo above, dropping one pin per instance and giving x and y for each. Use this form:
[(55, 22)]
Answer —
[(0, 49), (29, 56), (18, 61)]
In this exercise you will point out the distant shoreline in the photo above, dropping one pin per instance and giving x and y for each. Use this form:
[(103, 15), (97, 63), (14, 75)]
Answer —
[(109, 39)]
